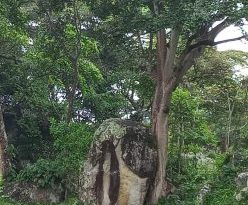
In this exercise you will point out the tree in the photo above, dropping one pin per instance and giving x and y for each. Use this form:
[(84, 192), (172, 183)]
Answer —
[(221, 90), (62, 48), (171, 69), (188, 125), (4, 158), (12, 40), (183, 29)]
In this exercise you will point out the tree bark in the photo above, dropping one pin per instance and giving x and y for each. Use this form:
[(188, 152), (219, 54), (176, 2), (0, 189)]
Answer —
[(4, 158), (160, 116), (161, 133), (230, 114)]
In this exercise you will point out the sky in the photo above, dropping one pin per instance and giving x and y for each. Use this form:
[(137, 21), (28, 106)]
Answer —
[(232, 32)]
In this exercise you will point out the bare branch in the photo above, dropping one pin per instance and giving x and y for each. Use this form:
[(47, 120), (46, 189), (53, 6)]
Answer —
[(150, 42), (214, 43), (130, 100), (230, 40), (187, 61), (150, 46)]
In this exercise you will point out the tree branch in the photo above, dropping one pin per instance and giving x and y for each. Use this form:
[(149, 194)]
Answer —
[(217, 29), (173, 44), (204, 37), (202, 31), (214, 43)]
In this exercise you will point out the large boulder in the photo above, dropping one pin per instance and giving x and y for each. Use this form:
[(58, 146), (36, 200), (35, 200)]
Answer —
[(242, 184), (32, 193), (120, 166), (202, 194)]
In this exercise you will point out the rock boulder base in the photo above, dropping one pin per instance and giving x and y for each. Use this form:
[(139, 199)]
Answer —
[(32, 193)]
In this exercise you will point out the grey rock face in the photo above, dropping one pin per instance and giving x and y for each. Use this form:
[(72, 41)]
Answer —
[(31, 193), (242, 180), (202, 194), (242, 184), (120, 165)]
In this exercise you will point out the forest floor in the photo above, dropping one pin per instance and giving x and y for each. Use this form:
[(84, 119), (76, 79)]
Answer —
[(222, 193), (6, 201)]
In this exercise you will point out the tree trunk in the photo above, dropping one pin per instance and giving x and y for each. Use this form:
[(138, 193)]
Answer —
[(230, 114), (4, 159), (180, 149), (70, 99), (223, 143), (72, 90), (160, 115), (160, 131)]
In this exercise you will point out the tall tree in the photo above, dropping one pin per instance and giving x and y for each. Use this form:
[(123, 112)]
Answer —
[(221, 90), (172, 65), (62, 48), (183, 29)]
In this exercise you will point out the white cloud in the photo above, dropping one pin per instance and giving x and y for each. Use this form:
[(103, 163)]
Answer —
[(242, 45)]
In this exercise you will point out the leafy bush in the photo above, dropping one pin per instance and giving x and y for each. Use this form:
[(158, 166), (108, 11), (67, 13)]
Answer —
[(71, 143), (188, 120), (224, 188), (43, 172), (198, 170)]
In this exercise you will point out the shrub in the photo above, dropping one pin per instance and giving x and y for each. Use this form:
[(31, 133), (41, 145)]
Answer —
[(43, 172), (71, 143)]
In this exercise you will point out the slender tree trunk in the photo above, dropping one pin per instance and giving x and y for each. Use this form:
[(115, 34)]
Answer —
[(180, 149), (74, 61), (225, 138), (72, 91), (230, 113), (4, 159), (223, 143), (70, 99)]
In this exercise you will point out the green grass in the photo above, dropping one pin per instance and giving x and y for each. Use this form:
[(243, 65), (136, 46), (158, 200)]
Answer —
[(8, 202)]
